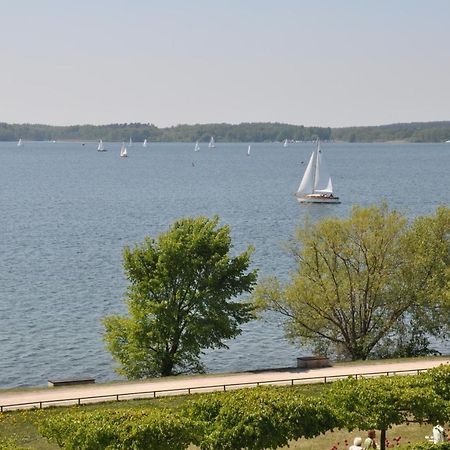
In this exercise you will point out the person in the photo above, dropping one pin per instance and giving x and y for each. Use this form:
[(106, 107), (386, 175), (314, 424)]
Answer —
[(370, 440), (356, 444), (438, 433)]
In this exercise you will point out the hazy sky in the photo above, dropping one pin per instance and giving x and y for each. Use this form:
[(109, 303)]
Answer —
[(317, 62)]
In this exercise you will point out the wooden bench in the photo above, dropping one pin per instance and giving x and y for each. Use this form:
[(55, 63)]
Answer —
[(69, 381), (313, 362)]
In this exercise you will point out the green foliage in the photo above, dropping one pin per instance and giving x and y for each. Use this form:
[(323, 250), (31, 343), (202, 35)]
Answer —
[(243, 132), (427, 446), (439, 378), (120, 430), (369, 284), (179, 299), (9, 444), (259, 418), (379, 403)]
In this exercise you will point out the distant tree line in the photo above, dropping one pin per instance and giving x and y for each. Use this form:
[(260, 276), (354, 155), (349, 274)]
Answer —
[(223, 132)]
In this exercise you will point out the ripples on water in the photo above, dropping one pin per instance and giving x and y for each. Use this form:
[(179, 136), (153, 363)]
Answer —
[(68, 210)]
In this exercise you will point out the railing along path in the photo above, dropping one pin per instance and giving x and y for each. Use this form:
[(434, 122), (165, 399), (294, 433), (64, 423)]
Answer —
[(189, 390)]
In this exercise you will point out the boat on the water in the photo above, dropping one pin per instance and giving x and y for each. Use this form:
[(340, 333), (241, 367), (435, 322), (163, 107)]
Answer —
[(20, 143), (285, 143), (130, 143), (212, 143), (100, 146), (248, 150), (144, 144), (123, 151), (316, 185), (196, 147)]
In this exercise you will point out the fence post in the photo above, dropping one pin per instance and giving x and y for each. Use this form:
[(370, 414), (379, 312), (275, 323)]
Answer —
[(224, 388), (40, 405), (189, 390), (324, 379)]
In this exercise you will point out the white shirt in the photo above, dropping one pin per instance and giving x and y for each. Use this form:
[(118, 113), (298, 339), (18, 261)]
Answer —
[(438, 434)]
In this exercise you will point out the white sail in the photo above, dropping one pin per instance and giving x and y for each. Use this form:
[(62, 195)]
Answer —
[(307, 184), (131, 142), (100, 147), (316, 185), (123, 151), (248, 150), (197, 147), (285, 143), (322, 179), (19, 144), (144, 144), (212, 143)]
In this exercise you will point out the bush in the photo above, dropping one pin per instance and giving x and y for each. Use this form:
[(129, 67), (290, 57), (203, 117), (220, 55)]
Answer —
[(120, 430), (428, 446), (259, 418)]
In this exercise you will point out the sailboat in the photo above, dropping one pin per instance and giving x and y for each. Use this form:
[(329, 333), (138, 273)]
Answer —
[(144, 144), (316, 185), (123, 151), (197, 147), (212, 143), (130, 143), (100, 146), (285, 143), (19, 144), (248, 150)]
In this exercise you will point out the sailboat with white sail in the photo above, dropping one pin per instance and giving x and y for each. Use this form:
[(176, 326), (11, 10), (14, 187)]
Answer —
[(316, 185), (20, 143), (212, 143), (101, 146), (144, 144), (123, 151), (248, 150), (285, 143), (196, 147), (130, 143)]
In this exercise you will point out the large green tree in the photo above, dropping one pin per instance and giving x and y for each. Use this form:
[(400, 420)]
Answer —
[(180, 299), (372, 282)]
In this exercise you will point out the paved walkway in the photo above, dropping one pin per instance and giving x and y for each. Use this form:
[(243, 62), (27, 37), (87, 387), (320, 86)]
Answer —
[(173, 386)]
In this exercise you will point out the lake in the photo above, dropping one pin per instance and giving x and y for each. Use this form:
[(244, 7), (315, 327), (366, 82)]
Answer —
[(67, 211)]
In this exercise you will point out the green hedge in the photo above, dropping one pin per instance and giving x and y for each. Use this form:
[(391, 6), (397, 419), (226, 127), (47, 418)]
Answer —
[(428, 446), (120, 430)]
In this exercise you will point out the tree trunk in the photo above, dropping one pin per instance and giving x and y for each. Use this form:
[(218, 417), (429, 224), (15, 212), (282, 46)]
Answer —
[(382, 439), (166, 366)]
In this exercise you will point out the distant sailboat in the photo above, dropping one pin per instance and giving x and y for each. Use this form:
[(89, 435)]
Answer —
[(285, 143), (447, 142), (144, 144), (248, 150), (130, 143), (100, 146), (316, 185), (212, 143), (123, 151), (197, 147), (20, 143)]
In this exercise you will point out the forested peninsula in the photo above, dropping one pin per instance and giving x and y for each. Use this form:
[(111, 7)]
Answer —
[(223, 132)]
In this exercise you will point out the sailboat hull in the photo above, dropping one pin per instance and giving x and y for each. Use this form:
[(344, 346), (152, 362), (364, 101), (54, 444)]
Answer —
[(318, 198)]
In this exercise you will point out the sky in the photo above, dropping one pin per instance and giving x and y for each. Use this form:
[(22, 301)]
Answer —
[(306, 62)]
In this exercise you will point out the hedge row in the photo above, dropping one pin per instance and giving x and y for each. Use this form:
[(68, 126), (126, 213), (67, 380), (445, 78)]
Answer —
[(259, 418)]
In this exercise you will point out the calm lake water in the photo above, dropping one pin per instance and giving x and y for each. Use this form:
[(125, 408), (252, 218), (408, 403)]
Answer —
[(67, 211)]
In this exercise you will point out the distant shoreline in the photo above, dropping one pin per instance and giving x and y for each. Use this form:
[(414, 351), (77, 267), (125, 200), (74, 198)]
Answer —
[(416, 132)]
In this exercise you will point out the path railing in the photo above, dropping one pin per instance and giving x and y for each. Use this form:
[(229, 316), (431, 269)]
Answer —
[(154, 393)]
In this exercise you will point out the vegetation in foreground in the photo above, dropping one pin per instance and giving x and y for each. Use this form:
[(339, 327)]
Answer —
[(257, 418)]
